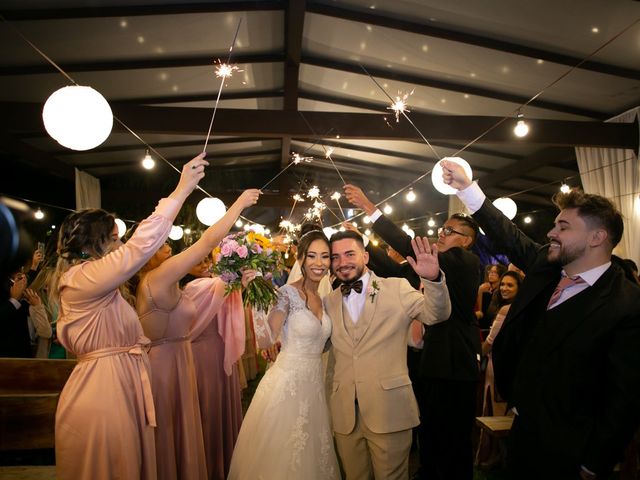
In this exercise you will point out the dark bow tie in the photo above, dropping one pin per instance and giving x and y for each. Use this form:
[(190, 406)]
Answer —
[(346, 288)]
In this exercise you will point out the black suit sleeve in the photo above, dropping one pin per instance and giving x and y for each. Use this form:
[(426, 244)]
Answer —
[(394, 236), (506, 237)]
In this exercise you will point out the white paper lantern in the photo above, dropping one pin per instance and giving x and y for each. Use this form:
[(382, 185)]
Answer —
[(436, 175), (122, 228), (210, 210), (77, 117), (328, 231), (506, 206), (176, 232)]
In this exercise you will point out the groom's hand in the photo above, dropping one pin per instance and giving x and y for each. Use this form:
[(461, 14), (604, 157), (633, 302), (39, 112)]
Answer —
[(426, 263)]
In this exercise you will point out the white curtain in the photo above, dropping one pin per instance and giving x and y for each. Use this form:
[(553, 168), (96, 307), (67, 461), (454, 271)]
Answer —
[(620, 182), (87, 191)]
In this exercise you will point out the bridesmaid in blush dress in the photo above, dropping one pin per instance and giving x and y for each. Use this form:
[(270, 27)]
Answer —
[(166, 315), (217, 339), (105, 418)]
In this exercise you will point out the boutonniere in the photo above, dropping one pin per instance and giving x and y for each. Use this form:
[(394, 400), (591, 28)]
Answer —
[(373, 290)]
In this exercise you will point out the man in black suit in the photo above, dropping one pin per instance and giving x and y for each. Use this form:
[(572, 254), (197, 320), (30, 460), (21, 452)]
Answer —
[(449, 363), (567, 360)]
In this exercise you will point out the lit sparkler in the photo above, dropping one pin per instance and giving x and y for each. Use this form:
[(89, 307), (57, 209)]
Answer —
[(336, 196), (223, 71), (314, 192), (298, 198), (399, 106)]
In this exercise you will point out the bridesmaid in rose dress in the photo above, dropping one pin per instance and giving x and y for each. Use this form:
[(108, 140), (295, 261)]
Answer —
[(166, 315), (218, 340), (105, 418)]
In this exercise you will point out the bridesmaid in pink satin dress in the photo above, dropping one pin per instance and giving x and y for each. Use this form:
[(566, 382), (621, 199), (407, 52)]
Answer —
[(105, 418), (218, 340), (166, 315)]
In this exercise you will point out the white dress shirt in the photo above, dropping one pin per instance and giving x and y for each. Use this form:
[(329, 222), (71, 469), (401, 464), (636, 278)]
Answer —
[(355, 301)]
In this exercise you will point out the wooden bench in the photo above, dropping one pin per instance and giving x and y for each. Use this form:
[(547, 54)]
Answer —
[(495, 426), (29, 393)]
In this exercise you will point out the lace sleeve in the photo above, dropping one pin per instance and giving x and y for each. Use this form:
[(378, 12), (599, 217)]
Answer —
[(267, 327)]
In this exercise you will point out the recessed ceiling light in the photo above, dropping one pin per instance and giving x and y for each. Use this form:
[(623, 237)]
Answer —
[(369, 28), (472, 75), (124, 23), (140, 39), (363, 45), (466, 95), (539, 61), (404, 58), (595, 30)]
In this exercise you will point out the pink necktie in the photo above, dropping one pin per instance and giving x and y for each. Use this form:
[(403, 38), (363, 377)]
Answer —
[(564, 283)]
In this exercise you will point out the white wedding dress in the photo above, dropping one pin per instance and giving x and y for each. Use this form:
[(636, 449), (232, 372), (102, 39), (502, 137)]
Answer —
[(286, 433)]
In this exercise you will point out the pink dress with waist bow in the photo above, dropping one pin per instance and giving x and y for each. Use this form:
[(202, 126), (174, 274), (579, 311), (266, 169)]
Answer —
[(105, 418)]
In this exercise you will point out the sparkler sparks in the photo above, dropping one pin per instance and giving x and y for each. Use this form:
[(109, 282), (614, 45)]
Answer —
[(298, 198), (297, 158), (328, 153), (399, 106), (224, 70), (336, 196), (314, 192)]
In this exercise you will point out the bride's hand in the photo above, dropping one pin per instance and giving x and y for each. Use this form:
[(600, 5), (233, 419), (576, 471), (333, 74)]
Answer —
[(247, 277)]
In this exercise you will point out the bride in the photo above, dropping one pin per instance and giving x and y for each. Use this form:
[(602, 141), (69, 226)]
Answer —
[(286, 433)]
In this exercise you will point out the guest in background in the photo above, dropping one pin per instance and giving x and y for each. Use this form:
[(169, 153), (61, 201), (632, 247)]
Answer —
[(167, 315), (23, 307), (492, 276), (106, 418), (567, 356)]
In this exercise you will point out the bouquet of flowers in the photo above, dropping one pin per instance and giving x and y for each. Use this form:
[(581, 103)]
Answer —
[(248, 250)]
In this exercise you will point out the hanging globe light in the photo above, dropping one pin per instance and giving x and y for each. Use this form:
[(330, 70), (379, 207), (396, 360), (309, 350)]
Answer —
[(506, 206), (210, 210), (436, 175), (122, 228), (176, 232), (77, 117)]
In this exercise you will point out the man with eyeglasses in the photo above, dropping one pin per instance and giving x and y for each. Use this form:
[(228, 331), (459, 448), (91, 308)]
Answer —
[(449, 364)]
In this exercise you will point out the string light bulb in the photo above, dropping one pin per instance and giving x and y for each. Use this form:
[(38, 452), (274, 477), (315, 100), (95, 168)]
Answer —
[(410, 196), (148, 162), (387, 209), (39, 214), (431, 223), (528, 219), (239, 223), (521, 129), (564, 188)]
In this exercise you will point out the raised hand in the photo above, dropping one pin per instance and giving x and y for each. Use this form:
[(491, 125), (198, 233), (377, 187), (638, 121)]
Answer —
[(18, 285), (454, 175), (192, 173), (32, 297), (357, 198), (248, 198), (426, 264), (350, 226)]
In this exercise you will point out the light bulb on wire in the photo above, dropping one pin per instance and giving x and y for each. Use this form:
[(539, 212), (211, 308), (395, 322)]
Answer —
[(564, 188), (39, 214), (431, 223), (387, 209), (148, 162), (521, 129), (410, 196), (528, 219)]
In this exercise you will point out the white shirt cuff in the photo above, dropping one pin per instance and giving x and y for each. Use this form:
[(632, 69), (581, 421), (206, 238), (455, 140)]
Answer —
[(365, 240), (472, 197), (15, 303), (375, 215)]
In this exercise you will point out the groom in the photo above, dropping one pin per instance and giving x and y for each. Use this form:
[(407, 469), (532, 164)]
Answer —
[(372, 404)]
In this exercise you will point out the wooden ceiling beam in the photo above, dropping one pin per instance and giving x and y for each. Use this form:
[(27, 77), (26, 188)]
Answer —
[(390, 20), (25, 117)]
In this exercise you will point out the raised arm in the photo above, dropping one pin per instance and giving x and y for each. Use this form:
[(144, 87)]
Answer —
[(505, 236), (176, 267), (103, 275)]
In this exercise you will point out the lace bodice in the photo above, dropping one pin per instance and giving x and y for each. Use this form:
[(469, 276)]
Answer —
[(301, 332)]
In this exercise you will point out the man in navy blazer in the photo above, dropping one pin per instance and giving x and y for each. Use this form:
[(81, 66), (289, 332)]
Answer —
[(567, 361)]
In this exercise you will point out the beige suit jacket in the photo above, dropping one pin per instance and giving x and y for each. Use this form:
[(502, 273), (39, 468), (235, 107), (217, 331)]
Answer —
[(370, 359)]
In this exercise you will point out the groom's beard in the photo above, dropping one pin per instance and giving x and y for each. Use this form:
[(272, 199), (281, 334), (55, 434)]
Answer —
[(350, 273)]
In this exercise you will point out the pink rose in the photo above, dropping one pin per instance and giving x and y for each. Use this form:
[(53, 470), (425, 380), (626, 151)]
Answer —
[(218, 257), (242, 251), (228, 248)]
